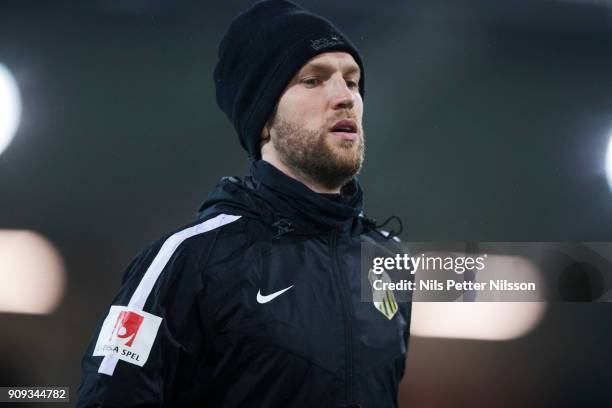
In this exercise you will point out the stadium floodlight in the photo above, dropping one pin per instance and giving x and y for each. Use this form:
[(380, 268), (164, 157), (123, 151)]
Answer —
[(609, 162), (10, 107)]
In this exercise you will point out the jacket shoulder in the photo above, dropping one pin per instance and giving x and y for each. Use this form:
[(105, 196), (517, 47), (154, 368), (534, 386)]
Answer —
[(190, 243), (160, 290)]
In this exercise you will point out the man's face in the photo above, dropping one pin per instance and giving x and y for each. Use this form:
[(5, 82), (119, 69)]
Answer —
[(316, 129)]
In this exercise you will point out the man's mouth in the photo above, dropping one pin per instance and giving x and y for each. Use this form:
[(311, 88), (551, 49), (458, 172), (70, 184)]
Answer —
[(345, 129)]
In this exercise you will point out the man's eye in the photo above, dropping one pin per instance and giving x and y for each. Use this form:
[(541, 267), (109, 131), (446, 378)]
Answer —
[(310, 81), (352, 84)]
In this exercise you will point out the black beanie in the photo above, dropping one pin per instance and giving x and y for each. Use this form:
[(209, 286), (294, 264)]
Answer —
[(259, 54)]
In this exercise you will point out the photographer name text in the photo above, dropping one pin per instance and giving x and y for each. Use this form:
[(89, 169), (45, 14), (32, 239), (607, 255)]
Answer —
[(450, 285)]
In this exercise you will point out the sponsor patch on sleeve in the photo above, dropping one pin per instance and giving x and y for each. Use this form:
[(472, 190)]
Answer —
[(127, 334)]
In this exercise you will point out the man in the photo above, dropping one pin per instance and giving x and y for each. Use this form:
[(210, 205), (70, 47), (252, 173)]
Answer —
[(258, 303)]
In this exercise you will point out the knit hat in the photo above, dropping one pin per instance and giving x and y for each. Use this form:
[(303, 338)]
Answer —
[(261, 51)]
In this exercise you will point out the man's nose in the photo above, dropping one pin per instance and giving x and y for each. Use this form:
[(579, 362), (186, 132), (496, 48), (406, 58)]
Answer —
[(342, 96)]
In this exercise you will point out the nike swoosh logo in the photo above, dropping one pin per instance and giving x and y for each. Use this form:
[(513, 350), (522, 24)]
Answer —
[(266, 298)]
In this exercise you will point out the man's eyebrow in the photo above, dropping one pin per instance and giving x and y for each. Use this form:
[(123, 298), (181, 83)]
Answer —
[(322, 67)]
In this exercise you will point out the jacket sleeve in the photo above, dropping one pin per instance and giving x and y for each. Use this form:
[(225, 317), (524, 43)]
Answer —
[(151, 325)]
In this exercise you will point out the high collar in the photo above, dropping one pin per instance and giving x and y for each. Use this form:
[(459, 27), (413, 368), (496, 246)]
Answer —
[(307, 208)]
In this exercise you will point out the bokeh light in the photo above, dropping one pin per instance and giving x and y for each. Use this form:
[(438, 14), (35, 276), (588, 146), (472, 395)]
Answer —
[(10, 107), (32, 277), (483, 320)]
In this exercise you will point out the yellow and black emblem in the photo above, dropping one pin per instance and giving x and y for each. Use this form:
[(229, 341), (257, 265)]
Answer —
[(383, 300)]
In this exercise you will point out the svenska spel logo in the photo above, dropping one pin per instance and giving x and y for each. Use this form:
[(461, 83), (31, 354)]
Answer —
[(126, 327), (127, 334)]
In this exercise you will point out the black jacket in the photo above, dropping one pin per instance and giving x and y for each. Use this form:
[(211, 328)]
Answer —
[(257, 304)]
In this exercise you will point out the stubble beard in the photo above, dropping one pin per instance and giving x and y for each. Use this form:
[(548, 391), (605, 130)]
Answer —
[(307, 153)]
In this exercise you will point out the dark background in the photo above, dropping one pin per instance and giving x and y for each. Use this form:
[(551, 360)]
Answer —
[(484, 120)]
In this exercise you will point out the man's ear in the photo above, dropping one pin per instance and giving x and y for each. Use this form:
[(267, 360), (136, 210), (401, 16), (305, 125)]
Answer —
[(264, 141), (265, 133)]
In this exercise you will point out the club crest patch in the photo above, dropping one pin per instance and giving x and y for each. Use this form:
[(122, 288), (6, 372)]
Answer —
[(383, 300), (127, 334)]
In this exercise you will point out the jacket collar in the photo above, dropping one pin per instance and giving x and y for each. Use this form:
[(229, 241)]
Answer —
[(293, 200)]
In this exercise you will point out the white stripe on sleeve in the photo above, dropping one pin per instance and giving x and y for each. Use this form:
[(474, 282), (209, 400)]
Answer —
[(139, 298)]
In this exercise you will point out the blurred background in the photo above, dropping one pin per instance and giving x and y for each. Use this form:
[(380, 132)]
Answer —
[(485, 121)]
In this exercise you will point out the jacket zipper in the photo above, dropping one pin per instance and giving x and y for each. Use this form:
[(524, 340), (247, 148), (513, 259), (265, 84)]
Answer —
[(348, 320)]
